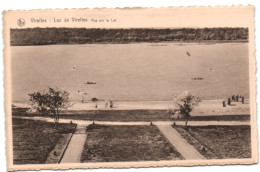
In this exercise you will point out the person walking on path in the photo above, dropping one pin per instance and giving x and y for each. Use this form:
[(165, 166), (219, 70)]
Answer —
[(56, 119)]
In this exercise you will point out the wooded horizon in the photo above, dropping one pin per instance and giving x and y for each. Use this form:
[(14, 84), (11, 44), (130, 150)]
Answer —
[(49, 36)]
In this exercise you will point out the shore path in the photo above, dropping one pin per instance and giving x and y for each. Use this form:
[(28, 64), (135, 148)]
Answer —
[(182, 146), (76, 145), (190, 123)]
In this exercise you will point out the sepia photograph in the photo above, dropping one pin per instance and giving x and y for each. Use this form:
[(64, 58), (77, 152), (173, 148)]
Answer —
[(149, 94)]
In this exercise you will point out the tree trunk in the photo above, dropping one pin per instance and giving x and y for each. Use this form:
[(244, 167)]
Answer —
[(57, 114), (54, 117), (186, 122)]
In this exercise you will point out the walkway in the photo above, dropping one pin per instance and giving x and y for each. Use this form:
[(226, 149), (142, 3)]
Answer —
[(182, 146), (191, 123), (76, 145)]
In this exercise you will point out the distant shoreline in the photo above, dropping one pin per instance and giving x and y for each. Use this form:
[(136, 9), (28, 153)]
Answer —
[(57, 36)]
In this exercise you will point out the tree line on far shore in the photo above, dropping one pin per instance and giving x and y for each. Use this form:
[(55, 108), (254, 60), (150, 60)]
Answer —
[(48, 36)]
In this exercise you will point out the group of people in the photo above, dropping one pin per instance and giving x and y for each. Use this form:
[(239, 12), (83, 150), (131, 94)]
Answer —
[(234, 98), (106, 105)]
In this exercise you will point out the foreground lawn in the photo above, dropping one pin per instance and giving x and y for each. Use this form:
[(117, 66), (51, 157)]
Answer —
[(219, 142), (126, 143), (131, 115), (34, 140)]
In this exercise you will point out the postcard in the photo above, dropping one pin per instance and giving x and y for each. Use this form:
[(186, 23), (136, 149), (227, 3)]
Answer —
[(130, 87)]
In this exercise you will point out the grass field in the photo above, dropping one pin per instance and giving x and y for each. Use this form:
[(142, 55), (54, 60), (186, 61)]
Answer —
[(34, 140), (219, 142), (132, 115), (126, 143)]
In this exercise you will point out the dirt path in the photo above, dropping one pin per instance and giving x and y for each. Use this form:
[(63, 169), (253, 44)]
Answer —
[(75, 147), (191, 123), (183, 147)]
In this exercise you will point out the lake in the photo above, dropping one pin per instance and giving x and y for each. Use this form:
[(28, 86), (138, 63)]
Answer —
[(132, 72)]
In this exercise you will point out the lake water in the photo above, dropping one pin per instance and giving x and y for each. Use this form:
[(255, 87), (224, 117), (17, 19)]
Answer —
[(130, 72)]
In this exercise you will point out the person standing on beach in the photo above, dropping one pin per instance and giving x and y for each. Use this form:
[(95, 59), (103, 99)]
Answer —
[(233, 98), (229, 101), (237, 98), (111, 104), (224, 103)]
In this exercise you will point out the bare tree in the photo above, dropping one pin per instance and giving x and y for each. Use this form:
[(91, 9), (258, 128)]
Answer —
[(184, 104), (51, 101)]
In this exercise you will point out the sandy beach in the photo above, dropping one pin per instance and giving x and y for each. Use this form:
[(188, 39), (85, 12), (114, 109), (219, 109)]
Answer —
[(205, 108)]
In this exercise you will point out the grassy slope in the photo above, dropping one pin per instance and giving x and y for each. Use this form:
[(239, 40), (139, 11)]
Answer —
[(126, 143), (132, 115), (220, 142), (34, 140)]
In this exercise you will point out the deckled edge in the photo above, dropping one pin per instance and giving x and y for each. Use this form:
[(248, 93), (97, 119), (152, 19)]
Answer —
[(145, 164)]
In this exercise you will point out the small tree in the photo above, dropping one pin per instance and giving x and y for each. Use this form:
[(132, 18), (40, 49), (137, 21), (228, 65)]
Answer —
[(51, 101), (184, 104)]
